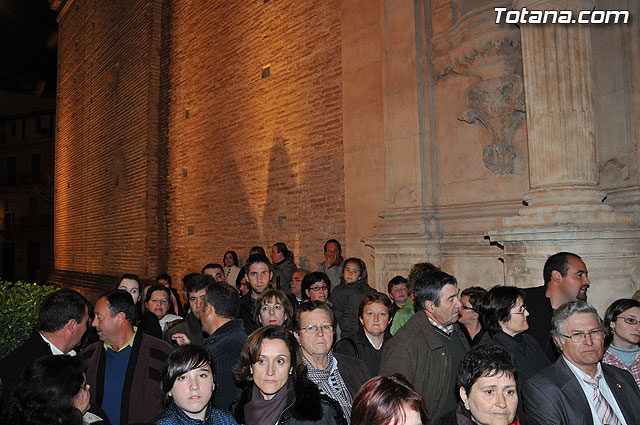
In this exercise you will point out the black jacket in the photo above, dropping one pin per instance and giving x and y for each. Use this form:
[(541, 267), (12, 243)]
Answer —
[(305, 406), (358, 346), (540, 313), (12, 366), (450, 418), (224, 347)]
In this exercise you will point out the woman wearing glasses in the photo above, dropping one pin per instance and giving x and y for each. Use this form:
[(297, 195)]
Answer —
[(504, 318), (336, 375), (622, 326), (315, 287), (279, 391)]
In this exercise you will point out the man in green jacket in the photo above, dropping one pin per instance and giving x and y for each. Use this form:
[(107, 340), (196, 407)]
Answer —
[(428, 348)]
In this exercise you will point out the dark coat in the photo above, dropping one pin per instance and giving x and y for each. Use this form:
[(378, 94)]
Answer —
[(555, 397), (540, 313), (530, 359), (225, 346), (141, 393), (417, 352), (246, 313), (358, 346), (14, 363), (305, 406), (282, 273), (190, 326), (354, 372), (346, 299)]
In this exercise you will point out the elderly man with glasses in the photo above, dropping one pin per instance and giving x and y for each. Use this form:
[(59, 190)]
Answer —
[(578, 388)]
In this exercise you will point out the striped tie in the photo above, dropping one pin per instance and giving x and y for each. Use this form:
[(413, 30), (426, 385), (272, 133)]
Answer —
[(603, 409)]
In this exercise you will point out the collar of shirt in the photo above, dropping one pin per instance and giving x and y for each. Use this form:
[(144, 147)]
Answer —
[(447, 330), (605, 391), (126, 344), (55, 350)]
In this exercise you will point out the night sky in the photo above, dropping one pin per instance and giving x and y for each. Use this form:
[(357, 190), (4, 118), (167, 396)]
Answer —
[(28, 43)]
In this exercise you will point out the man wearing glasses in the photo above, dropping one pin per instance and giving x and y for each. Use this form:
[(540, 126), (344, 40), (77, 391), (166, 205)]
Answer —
[(578, 388)]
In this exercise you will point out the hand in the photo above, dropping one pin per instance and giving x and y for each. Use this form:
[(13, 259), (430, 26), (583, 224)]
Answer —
[(180, 338)]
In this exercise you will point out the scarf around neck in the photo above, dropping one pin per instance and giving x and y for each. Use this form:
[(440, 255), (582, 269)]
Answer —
[(259, 411)]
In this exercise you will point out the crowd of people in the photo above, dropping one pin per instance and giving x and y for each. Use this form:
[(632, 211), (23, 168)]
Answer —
[(270, 343)]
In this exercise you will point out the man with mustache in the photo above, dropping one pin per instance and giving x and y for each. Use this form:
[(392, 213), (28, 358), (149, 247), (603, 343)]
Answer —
[(566, 279)]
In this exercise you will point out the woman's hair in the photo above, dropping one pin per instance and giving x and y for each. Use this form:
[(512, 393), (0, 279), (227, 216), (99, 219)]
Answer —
[(360, 264), (130, 277), (373, 297), (46, 392), (309, 306), (251, 352), (613, 311), (475, 294), (311, 278), (271, 295), (380, 400), (184, 359), (233, 255), (281, 247), (496, 305), (485, 360)]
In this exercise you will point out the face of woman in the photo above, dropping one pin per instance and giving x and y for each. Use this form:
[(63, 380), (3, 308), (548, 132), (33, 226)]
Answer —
[(492, 400), (159, 303), (375, 318), (132, 287), (192, 391), (272, 367), (272, 313), (468, 316), (517, 320), (228, 259), (318, 343), (626, 335), (351, 272), (81, 400), (318, 291)]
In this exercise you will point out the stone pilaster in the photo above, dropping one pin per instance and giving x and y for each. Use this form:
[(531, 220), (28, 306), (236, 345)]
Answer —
[(564, 207)]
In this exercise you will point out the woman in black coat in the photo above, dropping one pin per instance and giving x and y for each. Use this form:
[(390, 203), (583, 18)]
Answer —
[(279, 391), (504, 317)]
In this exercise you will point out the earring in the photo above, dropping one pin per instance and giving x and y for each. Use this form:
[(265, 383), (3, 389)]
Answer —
[(466, 405), (251, 370), (291, 371)]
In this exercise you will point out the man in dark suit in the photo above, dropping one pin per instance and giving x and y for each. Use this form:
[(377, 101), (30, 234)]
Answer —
[(578, 388), (566, 279), (63, 319)]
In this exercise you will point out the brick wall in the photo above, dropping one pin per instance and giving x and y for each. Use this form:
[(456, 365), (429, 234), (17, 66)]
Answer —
[(106, 178), (171, 148), (254, 150)]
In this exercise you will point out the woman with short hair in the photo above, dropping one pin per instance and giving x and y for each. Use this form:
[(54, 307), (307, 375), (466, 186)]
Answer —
[(188, 385), (486, 381), (278, 390), (158, 301), (504, 317), (366, 344)]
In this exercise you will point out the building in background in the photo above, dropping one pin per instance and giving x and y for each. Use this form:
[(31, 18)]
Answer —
[(26, 186)]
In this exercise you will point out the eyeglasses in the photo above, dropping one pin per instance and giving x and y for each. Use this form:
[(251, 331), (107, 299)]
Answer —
[(521, 310), (579, 337), (313, 329), (319, 288), (629, 320)]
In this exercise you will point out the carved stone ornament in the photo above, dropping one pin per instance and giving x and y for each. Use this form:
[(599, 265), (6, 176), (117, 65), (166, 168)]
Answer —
[(498, 103)]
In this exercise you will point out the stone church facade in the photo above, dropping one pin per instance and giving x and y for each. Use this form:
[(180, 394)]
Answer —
[(410, 130)]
